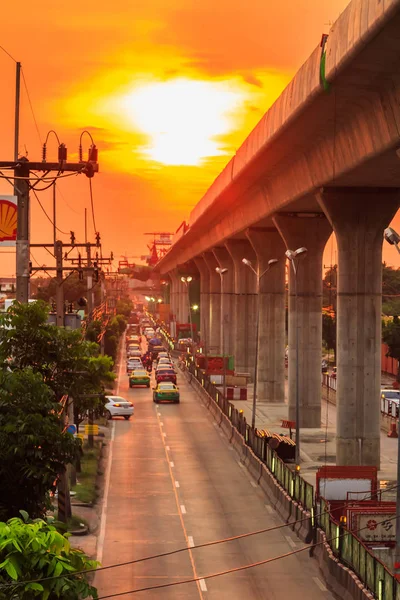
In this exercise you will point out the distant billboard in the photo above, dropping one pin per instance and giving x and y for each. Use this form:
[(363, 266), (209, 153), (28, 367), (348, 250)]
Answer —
[(8, 220)]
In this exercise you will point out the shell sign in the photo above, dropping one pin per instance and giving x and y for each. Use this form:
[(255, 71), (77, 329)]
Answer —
[(8, 220)]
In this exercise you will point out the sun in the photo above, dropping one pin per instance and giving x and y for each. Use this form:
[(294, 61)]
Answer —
[(183, 119)]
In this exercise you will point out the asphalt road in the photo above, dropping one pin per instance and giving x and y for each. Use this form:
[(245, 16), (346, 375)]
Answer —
[(174, 482)]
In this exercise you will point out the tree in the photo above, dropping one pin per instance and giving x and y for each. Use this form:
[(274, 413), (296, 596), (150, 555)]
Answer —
[(67, 363), (329, 331), (124, 307), (33, 448), (36, 550), (391, 337)]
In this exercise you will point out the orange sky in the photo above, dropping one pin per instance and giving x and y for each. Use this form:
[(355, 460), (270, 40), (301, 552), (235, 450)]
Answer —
[(116, 68)]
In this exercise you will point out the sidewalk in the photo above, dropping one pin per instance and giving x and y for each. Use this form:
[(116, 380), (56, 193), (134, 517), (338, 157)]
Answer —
[(318, 446)]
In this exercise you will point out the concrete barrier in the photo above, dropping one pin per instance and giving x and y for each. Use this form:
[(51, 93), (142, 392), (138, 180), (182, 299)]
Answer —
[(339, 578)]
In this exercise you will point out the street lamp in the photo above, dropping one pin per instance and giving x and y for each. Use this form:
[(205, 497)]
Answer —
[(221, 273), (393, 238), (259, 276), (292, 255), (186, 281)]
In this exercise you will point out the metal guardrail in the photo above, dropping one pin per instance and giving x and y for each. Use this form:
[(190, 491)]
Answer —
[(345, 545)]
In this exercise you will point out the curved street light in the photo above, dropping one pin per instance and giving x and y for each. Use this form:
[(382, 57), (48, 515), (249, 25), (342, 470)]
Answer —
[(221, 272), (292, 255), (259, 276)]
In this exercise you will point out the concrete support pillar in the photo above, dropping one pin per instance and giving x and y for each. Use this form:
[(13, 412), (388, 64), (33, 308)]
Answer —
[(204, 300), (227, 300), (215, 303), (311, 231), (245, 305), (174, 294), (183, 302), (268, 244), (359, 217)]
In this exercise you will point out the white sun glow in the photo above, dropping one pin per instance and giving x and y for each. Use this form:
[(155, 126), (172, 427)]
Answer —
[(182, 118)]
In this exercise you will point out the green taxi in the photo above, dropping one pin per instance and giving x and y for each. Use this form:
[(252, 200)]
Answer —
[(139, 377), (166, 391)]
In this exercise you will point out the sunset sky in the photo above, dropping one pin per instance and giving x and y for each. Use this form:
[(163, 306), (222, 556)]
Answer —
[(168, 88)]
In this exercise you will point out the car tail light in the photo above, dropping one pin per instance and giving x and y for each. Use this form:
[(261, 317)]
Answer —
[(117, 404)]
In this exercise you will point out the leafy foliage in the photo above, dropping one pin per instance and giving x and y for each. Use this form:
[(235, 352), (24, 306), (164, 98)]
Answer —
[(124, 307), (35, 550), (68, 364), (33, 448), (391, 337)]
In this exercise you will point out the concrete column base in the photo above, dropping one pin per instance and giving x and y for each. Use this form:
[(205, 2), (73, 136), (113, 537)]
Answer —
[(359, 217), (305, 312)]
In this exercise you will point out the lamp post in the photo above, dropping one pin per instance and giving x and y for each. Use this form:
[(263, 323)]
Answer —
[(259, 276), (393, 238), (221, 273), (186, 281), (292, 255)]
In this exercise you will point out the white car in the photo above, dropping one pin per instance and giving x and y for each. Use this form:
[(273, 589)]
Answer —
[(116, 406), (132, 364)]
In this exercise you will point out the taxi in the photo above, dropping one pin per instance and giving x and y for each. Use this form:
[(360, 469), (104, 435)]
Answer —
[(139, 377), (166, 391)]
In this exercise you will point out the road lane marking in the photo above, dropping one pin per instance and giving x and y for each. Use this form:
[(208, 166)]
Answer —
[(190, 541), (172, 463), (162, 424), (183, 509), (320, 584), (240, 464), (187, 538), (253, 483), (203, 585), (269, 508), (102, 535), (177, 484), (167, 448), (164, 434), (289, 540)]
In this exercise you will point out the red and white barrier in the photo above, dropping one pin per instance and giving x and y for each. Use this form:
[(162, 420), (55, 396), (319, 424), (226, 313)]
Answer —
[(236, 393)]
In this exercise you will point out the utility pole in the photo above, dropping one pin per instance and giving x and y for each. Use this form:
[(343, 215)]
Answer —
[(22, 168), (59, 284), (21, 188), (17, 99), (89, 279)]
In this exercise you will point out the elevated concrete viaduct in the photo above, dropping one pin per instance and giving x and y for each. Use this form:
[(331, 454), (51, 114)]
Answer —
[(325, 156)]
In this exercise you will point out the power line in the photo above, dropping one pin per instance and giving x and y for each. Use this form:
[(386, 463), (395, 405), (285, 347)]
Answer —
[(8, 54), (31, 107), (186, 548), (44, 210), (237, 569), (92, 204)]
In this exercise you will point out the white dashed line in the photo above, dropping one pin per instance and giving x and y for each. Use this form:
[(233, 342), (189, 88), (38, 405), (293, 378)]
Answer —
[(320, 584), (269, 508), (240, 464), (164, 434), (183, 509), (167, 448), (171, 463), (177, 484), (190, 541), (161, 424), (203, 586), (253, 483), (290, 541)]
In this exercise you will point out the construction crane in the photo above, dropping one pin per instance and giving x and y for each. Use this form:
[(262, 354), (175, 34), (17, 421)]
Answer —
[(160, 246)]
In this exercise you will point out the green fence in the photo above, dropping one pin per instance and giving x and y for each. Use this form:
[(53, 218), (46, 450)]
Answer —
[(348, 548)]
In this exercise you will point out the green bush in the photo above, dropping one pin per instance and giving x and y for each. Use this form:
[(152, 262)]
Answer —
[(36, 550)]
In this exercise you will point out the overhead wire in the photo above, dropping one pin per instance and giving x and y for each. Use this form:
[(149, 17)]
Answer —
[(30, 105), (49, 218), (8, 54), (92, 204), (204, 545), (240, 568)]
